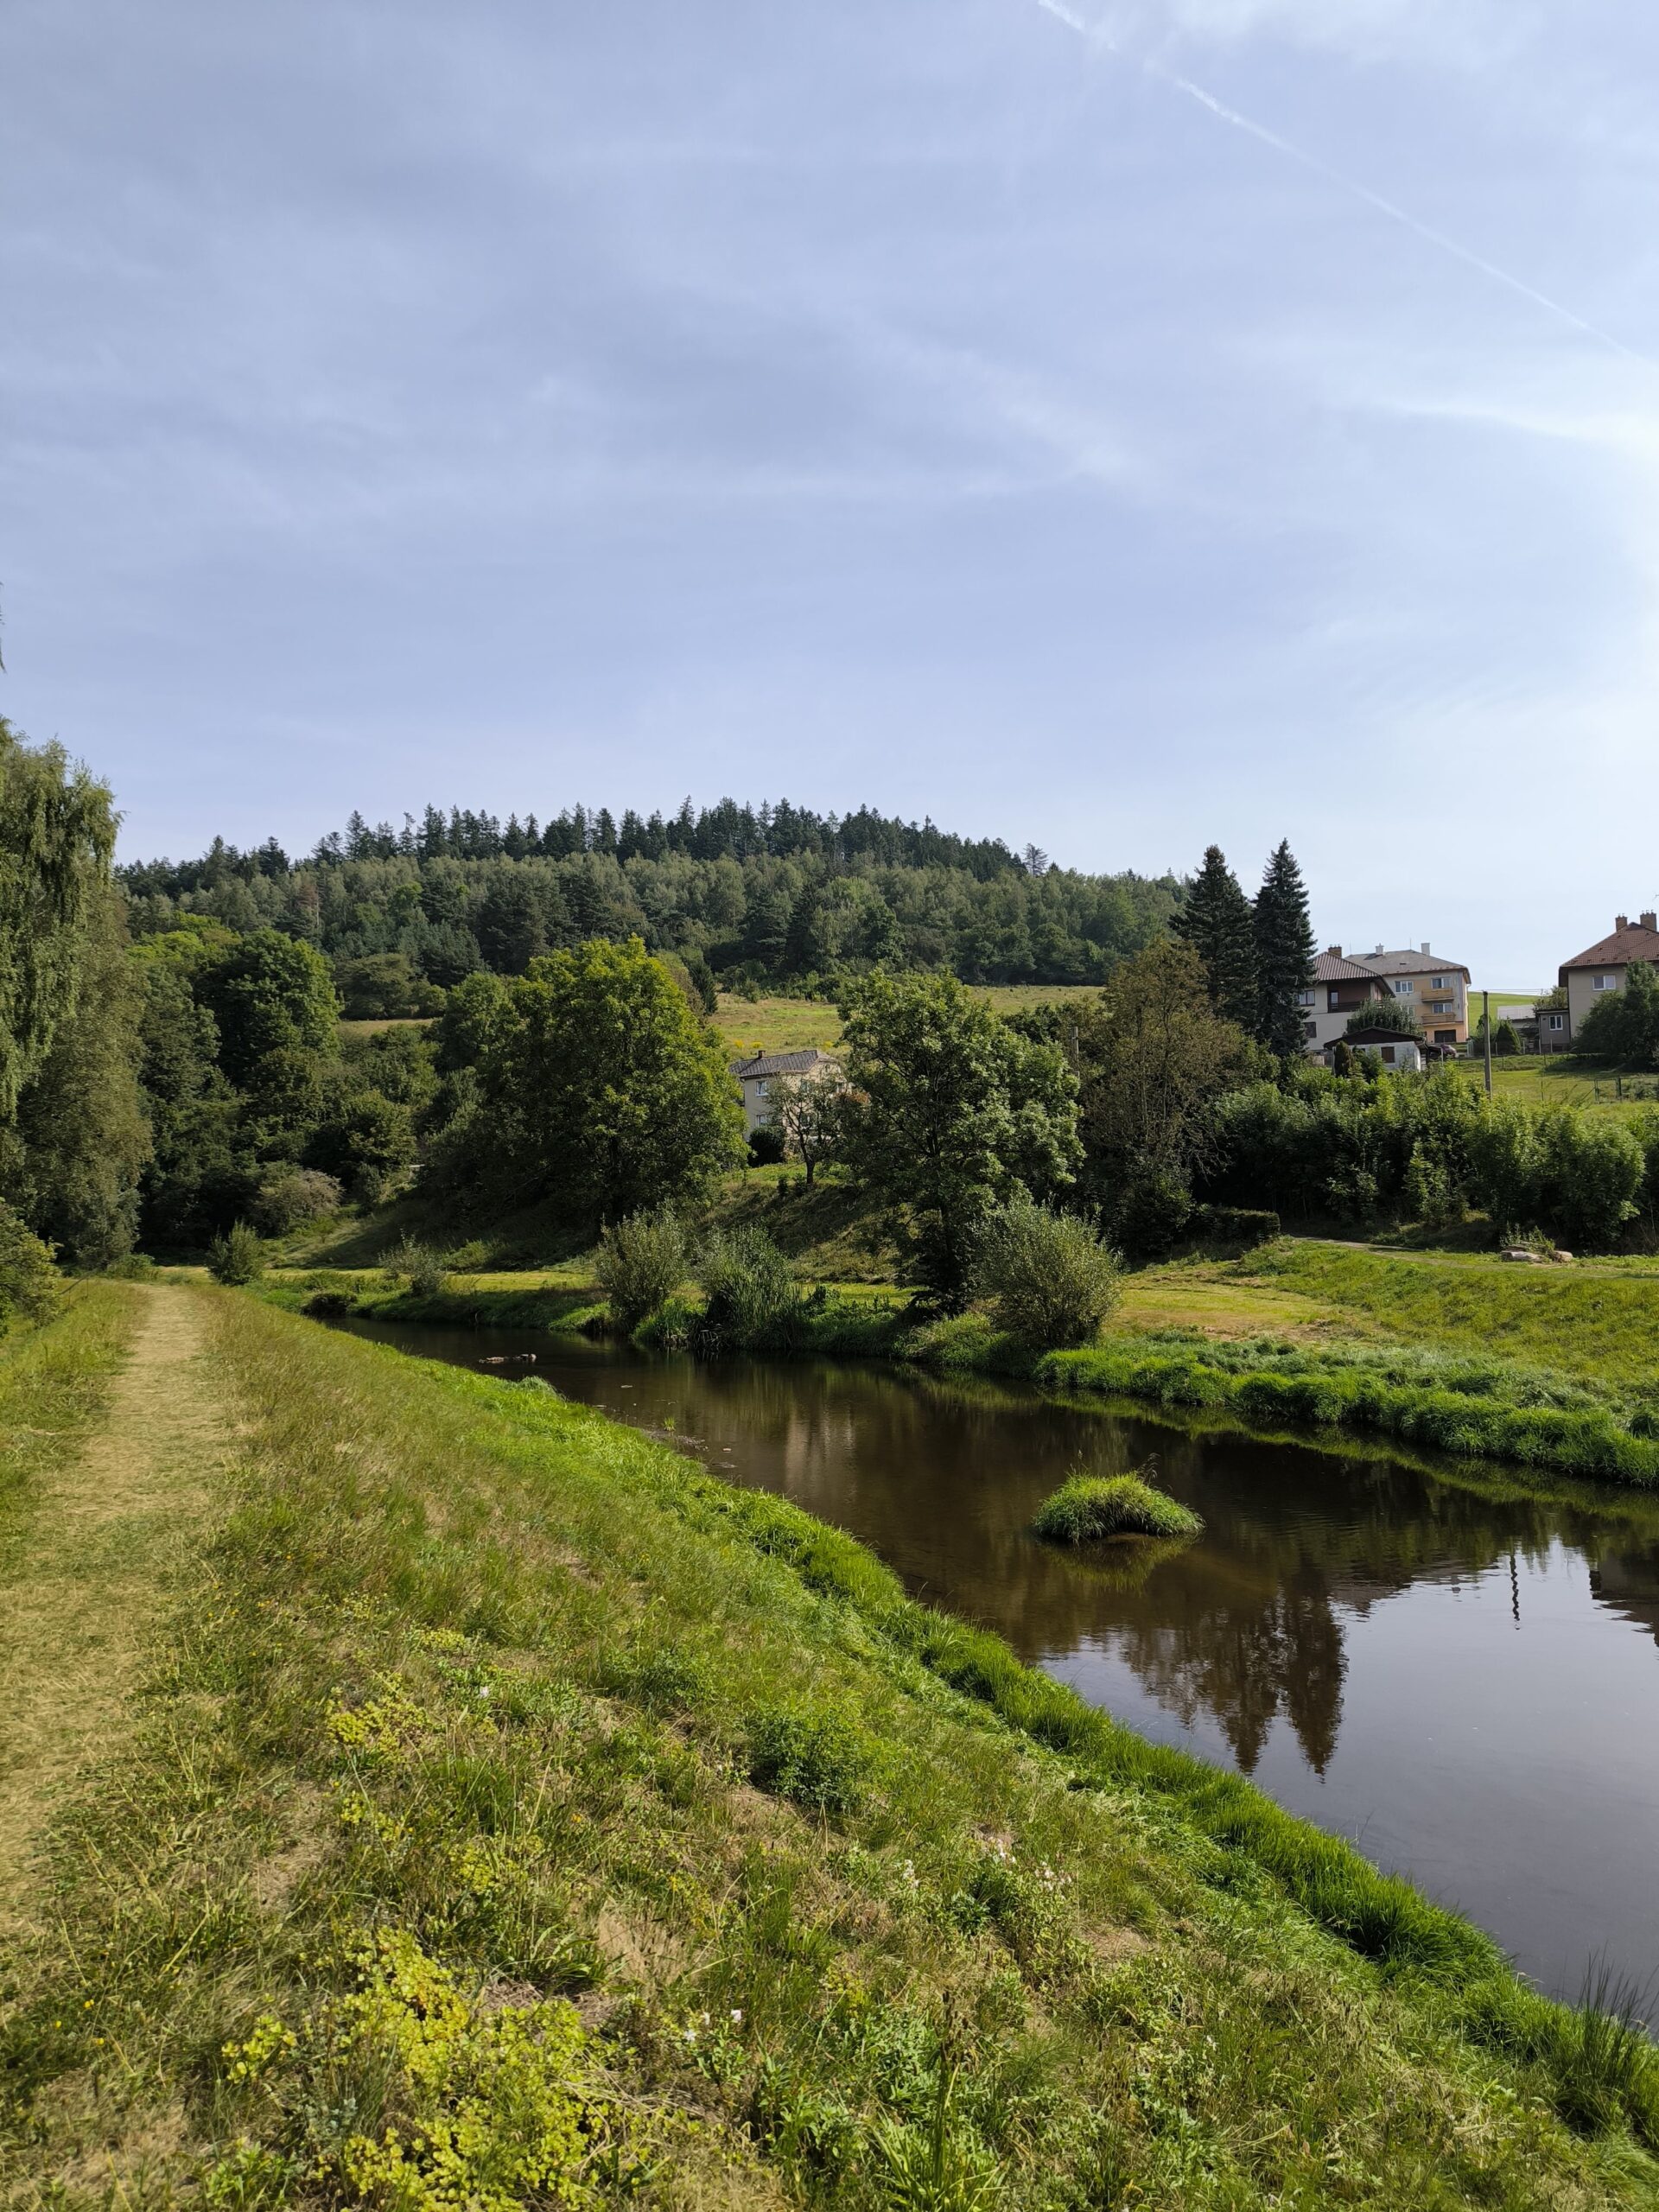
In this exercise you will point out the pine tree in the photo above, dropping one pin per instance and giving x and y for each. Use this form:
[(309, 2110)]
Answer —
[(1284, 953), (1217, 922)]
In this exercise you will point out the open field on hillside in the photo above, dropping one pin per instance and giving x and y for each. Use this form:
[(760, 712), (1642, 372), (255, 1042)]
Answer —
[(514, 1814), (780, 1025)]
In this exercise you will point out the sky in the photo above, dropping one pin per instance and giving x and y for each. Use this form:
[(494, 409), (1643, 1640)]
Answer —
[(1115, 425)]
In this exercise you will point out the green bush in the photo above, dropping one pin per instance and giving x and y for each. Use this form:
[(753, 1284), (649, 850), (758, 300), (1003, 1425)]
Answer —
[(813, 1758), (1086, 1509), (642, 1261), (29, 1284), (754, 1302), (290, 1200), (329, 1305), (237, 1257), (1050, 1279), (1152, 1211), (412, 1261)]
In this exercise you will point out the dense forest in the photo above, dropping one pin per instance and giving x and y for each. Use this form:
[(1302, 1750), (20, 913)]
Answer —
[(173, 1070), (744, 895)]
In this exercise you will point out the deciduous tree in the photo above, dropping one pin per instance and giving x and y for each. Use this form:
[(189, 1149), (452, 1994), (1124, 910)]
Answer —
[(950, 1112)]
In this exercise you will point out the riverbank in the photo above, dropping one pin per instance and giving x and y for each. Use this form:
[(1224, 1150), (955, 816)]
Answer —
[(1317, 1337), (480, 1704)]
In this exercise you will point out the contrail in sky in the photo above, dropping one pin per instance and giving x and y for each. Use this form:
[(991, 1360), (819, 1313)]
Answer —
[(1349, 185)]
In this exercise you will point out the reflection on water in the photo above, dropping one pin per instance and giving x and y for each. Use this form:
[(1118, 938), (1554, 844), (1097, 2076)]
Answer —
[(1460, 1675)]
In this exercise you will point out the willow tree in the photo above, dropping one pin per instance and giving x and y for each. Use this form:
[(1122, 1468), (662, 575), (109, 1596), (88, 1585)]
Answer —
[(57, 834)]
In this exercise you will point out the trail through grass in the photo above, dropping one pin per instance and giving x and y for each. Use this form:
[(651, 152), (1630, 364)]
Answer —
[(99, 1544)]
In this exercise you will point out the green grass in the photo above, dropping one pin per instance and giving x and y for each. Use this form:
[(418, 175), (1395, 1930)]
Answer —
[(1600, 1324), (1088, 1509), (1469, 1407), (513, 1786), (1558, 1080)]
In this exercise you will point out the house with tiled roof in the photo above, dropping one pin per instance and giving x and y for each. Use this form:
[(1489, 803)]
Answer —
[(756, 1075), (1340, 986), (1438, 988), (1604, 966)]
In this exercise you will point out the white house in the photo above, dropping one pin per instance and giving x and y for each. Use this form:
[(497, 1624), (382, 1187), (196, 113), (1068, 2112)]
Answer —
[(756, 1074)]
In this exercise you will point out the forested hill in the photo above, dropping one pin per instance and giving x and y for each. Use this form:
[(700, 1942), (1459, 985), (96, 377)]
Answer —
[(765, 895)]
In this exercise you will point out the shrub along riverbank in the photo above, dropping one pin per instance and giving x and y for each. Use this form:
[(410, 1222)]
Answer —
[(522, 1814)]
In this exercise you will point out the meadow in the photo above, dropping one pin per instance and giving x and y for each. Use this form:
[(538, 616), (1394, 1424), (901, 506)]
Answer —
[(514, 1814), (1558, 1080), (785, 1024)]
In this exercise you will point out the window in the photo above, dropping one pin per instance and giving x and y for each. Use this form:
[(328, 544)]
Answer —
[(1437, 982), (1305, 998), (1404, 989), (1336, 1000), (1558, 1022), (1388, 1052), (1311, 1031), (1606, 983)]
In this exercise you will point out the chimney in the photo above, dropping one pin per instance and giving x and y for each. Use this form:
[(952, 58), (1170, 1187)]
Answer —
[(1335, 951), (1378, 950), (1648, 921), (1425, 944), (1621, 921)]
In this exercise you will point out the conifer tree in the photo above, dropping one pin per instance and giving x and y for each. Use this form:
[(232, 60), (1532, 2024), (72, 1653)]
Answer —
[(1217, 922), (1284, 953)]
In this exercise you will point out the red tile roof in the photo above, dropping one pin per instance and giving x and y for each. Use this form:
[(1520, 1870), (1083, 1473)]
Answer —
[(1633, 942)]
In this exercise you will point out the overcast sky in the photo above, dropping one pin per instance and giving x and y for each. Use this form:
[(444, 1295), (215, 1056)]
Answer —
[(1117, 427)]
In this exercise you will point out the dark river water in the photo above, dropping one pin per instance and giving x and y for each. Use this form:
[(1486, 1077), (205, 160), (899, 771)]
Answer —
[(1461, 1679)]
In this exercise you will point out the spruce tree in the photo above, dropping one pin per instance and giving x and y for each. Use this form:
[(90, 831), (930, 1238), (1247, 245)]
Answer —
[(1284, 954), (1217, 922)]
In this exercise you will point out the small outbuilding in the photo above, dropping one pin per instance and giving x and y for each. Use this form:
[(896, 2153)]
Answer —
[(1392, 1046)]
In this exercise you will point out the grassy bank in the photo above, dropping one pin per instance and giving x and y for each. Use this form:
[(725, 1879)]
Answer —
[(1600, 1325), (524, 1816)]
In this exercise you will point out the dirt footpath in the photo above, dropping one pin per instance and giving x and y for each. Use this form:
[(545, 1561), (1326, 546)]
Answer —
[(107, 1545)]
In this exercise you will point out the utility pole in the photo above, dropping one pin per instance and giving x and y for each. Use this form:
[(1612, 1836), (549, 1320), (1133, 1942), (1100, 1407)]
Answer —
[(1486, 1024)]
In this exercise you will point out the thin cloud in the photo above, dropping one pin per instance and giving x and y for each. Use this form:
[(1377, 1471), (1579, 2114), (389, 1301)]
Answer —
[(1376, 200)]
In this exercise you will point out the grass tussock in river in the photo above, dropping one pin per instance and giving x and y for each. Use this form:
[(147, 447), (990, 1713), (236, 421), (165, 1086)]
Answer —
[(523, 1816)]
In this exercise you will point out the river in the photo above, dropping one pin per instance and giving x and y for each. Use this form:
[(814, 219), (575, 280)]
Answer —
[(1460, 1676)]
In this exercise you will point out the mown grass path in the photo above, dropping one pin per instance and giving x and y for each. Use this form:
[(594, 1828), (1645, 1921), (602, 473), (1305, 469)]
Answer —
[(106, 1542)]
